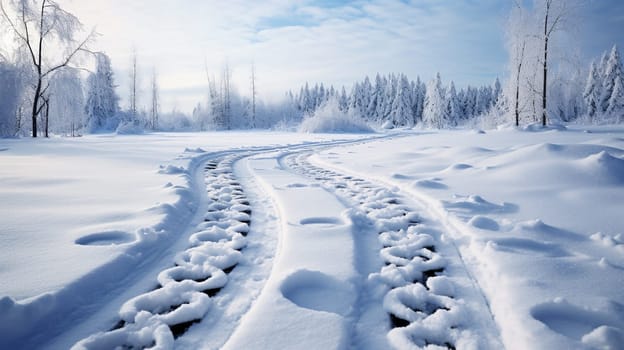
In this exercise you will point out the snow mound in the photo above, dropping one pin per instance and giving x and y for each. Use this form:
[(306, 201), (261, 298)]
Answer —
[(536, 127), (433, 184), (129, 128), (475, 204), (330, 119), (604, 337), (171, 170), (484, 223), (605, 166), (387, 125)]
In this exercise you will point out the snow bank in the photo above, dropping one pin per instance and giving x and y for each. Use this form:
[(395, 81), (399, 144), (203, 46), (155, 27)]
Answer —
[(330, 119)]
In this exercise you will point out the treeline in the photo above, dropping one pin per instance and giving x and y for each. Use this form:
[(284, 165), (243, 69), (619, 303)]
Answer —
[(45, 92), (395, 101)]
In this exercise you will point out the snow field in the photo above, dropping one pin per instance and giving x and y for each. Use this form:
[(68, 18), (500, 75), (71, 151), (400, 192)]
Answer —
[(443, 240), (154, 319), (535, 217), (106, 224), (426, 295)]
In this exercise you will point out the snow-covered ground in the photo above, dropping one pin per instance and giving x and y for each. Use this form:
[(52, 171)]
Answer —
[(457, 239)]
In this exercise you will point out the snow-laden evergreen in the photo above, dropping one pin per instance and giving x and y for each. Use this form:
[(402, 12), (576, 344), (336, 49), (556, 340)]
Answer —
[(603, 94), (612, 86), (593, 91), (394, 101), (435, 110)]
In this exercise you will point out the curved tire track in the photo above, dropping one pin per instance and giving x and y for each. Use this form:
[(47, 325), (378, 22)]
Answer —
[(421, 298), (154, 319)]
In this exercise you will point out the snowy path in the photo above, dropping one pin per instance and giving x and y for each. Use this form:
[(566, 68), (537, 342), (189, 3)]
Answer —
[(210, 284), (310, 292), (325, 260)]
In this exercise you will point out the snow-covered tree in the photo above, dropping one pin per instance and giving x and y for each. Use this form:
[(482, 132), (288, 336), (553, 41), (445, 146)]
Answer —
[(66, 106), (48, 33), (375, 100), (133, 109), (496, 94), (615, 107), (343, 100), (554, 14), (254, 94), (401, 108), (102, 103), (418, 100), (452, 105), (611, 99), (518, 35), (593, 91), (155, 105), (434, 113), (10, 91)]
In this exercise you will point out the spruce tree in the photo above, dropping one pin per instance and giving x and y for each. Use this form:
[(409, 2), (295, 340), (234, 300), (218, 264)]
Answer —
[(592, 92), (612, 73)]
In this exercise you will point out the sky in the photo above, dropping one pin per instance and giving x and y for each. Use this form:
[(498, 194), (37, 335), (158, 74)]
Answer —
[(298, 41)]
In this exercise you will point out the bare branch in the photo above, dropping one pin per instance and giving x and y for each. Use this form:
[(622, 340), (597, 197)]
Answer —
[(71, 55)]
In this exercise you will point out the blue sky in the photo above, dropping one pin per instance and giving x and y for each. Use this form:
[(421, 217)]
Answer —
[(336, 42)]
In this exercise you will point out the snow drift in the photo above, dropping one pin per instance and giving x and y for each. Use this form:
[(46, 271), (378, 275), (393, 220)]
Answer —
[(330, 119)]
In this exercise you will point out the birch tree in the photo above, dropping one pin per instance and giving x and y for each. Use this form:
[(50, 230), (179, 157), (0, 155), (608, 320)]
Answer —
[(41, 26), (554, 13)]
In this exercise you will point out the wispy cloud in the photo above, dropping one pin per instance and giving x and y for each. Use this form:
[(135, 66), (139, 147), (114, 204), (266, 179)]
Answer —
[(292, 42)]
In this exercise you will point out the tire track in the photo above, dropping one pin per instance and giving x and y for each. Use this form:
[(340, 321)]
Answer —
[(183, 296), (419, 293)]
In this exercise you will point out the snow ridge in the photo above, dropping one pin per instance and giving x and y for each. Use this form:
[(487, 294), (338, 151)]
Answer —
[(183, 297)]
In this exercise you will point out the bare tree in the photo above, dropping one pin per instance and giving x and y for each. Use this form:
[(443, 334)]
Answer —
[(517, 43), (254, 92), (155, 104), (554, 12), (133, 85), (38, 25), (226, 90)]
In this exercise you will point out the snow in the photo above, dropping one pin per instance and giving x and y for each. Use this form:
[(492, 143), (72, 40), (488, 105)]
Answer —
[(511, 238), (535, 215), (328, 118), (86, 216), (309, 291)]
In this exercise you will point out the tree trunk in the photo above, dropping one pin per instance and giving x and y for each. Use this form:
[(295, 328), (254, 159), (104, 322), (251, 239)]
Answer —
[(35, 109), (545, 65), (47, 119), (518, 104), (517, 107)]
